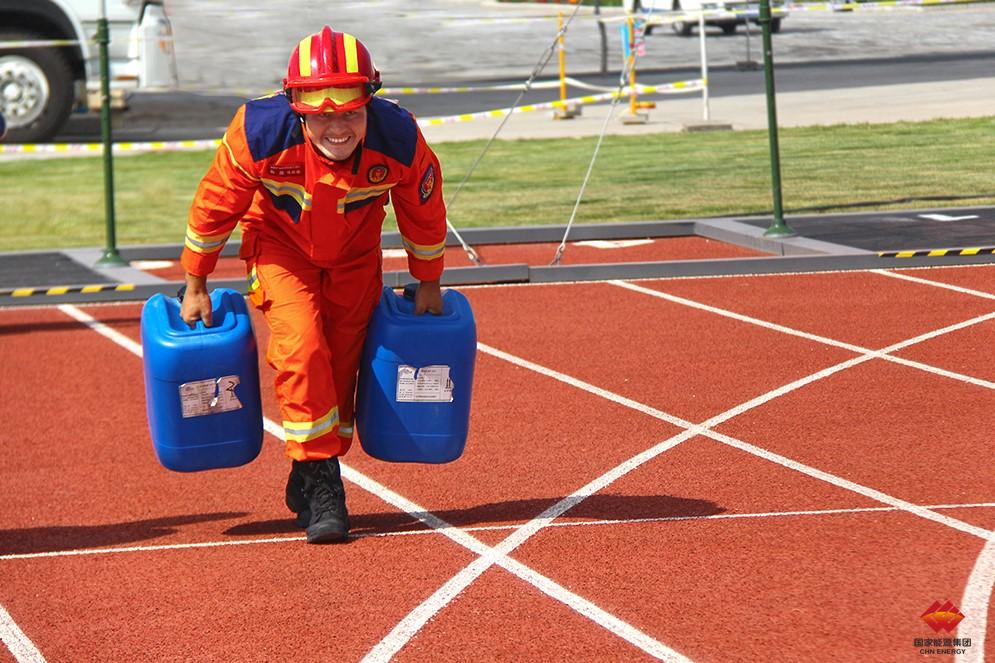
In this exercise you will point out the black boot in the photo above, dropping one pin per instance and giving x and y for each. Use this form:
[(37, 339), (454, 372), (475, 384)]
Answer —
[(325, 494), (295, 498)]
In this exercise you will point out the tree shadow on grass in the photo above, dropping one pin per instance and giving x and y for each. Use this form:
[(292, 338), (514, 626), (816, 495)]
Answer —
[(595, 507), (54, 538)]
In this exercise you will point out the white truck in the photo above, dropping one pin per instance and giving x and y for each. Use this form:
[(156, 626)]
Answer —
[(50, 61), (725, 14)]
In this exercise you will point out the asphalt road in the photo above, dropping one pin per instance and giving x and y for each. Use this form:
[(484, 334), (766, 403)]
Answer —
[(189, 115), (229, 51)]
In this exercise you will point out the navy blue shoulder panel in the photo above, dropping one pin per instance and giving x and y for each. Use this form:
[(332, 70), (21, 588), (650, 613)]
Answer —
[(391, 130), (271, 126)]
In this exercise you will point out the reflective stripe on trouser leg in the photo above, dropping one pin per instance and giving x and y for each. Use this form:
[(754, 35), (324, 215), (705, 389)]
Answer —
[(300, 354)]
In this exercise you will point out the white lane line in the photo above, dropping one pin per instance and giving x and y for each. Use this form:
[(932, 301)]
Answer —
[(404, 630), (840, 482), (935, 284), (20, 645), (102, 329), (705, 429), (878, 354), (601, 522), (981, 583), (585, 386), (975, 604), (489, 556), (409, 626), (75, 552)]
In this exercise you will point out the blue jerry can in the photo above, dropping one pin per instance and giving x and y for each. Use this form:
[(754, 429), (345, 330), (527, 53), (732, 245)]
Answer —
[(416, 379), (202, 384)]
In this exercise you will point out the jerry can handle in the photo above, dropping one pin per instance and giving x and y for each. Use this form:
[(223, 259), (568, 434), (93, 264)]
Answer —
[(199, 325)]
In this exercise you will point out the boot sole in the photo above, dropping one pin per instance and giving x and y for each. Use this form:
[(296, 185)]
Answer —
[(327, 533)]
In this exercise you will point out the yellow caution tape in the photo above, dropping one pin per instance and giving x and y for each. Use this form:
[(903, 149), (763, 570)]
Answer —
[(872, 6), (669, 88), (517, 87), (41, 43), (679, 87), (66, 289), (118, 148), (937, 253)]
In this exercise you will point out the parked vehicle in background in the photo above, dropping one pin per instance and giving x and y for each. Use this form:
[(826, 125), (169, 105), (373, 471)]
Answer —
[(724, 14), (50, 63)]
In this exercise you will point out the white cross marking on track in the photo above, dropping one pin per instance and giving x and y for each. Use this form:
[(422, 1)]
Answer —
[(497, 556), (490, 555), (20, 645)]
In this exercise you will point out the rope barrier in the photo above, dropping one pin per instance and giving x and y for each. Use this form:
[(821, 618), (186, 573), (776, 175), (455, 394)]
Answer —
[(619, 92), (536, 70)]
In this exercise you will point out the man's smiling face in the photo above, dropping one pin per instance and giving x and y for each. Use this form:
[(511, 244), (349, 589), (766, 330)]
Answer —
[(337, 134)]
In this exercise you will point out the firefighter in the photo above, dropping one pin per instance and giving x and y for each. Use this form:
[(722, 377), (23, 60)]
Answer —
[(308, 173)]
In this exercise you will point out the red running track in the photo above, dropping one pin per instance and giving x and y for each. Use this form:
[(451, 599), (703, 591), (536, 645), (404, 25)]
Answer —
[(789, 467)]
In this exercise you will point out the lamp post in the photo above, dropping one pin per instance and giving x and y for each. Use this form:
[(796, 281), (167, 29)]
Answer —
[(778, 228), (110, 257)]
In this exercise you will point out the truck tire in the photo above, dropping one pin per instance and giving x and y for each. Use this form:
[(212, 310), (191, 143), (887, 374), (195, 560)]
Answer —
[(683, 28), (36, 89), (775, 25)]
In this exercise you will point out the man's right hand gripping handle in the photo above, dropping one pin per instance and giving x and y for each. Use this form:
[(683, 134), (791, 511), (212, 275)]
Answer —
[(196, 303)]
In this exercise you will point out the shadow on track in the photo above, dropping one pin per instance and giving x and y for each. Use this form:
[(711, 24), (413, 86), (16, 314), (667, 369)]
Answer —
[(595, 507), (53, 538)]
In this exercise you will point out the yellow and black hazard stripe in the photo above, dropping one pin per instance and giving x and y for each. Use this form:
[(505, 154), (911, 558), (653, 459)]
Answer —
[(66, 289), (938, 253)]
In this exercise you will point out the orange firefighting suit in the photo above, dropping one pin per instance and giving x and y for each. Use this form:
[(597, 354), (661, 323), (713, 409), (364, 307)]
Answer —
[(311, 242)]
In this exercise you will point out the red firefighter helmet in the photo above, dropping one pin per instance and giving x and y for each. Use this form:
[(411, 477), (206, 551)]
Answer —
[(330, 71)]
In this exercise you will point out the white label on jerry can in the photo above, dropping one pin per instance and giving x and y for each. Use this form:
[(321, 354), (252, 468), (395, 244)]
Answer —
[(425, 384), (209, 396)]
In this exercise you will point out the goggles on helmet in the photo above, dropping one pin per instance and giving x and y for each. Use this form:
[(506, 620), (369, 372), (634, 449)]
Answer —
[(328, 99)]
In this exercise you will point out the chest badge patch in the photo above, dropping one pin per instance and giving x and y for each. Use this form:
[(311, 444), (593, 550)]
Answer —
[(288, 170), (377, 174), (427, 185)]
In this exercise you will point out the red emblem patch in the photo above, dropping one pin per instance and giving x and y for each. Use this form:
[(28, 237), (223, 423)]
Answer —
[(376, 174), (427, 185)]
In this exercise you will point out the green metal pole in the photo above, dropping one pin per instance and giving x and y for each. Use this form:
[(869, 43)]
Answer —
[(110, 258), (778, 228)]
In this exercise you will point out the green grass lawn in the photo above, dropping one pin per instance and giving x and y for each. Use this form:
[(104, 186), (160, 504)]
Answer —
[(59, 202)]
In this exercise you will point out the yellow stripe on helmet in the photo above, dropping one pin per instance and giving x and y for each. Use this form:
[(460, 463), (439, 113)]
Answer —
[(304, 59), (351, 53)]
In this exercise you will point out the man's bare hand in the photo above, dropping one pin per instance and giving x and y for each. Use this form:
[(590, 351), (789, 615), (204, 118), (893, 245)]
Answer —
[(196, 302), (428, 297)]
